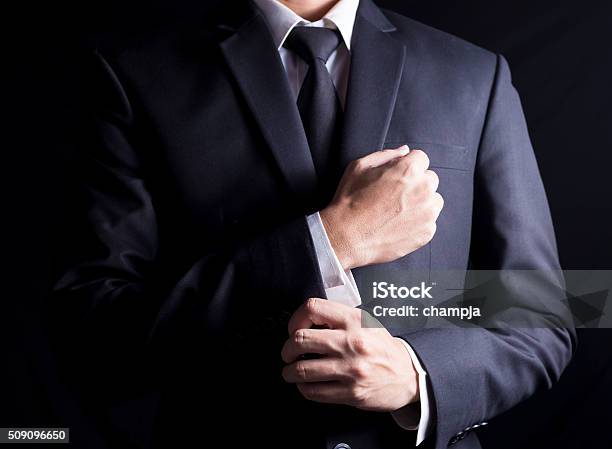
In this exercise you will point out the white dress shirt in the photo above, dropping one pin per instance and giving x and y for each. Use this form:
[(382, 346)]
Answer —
[(339, 284)]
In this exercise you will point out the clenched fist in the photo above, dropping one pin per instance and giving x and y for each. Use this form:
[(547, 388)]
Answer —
[(366, 368), (385, 207)]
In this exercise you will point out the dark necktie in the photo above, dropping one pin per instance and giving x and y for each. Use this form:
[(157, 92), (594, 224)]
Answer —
[(318, 102)]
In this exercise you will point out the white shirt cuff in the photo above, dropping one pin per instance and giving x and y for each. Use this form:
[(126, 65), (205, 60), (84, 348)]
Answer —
[(339, 284), (407, 417)]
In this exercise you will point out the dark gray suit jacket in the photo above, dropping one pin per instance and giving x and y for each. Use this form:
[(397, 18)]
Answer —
[(197, 178)]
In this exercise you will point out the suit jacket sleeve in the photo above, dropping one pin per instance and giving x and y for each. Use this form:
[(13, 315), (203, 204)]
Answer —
[(476, 374), (112, 298)]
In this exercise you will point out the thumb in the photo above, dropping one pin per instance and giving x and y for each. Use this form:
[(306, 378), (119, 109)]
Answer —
[(379, 158)]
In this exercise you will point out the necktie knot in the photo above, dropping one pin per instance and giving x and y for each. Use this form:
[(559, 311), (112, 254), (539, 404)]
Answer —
[(311, 43)]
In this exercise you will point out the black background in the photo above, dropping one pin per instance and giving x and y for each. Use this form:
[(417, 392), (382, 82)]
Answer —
[(561, 60)]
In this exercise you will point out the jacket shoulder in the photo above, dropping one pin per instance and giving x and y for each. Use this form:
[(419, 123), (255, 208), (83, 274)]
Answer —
[(157, 48), (439, 47)]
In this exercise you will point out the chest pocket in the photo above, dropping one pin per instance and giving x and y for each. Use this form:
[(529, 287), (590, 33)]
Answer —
[(441, 155), (454, 165)]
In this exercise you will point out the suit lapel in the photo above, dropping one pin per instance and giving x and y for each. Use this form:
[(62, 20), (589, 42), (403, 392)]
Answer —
[(256, 65), (377, 62)]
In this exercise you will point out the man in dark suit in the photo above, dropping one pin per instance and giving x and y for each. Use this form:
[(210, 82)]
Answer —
[(235, 182)]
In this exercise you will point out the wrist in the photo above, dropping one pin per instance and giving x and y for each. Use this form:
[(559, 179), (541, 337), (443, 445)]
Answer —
[(338, 240), (412, 384)]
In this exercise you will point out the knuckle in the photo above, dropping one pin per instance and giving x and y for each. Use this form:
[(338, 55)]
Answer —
[(358, 165), (429, 215), (433, 179), (421, 183), (426, 187), (299, 336), (358, 343), (414, 170), (423, 156), (359, 370), (312, 305), (406, 177), (301, 370), (420, 155), (406, 164)]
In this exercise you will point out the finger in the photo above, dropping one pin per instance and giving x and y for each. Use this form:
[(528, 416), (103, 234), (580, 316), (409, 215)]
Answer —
[(326, 392), (415, 162), (438, 203), (433, 180), (379, 158), (312, 341), (321, 312), (315, 370)]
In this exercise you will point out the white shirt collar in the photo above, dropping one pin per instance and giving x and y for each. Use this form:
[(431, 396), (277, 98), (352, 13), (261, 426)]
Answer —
[(282, 19)]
